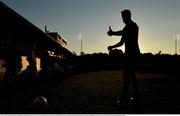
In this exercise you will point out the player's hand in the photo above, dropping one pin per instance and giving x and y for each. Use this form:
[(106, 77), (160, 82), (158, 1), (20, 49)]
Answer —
[(110, 48), (110, 31)]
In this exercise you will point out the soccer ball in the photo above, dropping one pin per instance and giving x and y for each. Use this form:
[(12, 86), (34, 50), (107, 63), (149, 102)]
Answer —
[(40, 102)]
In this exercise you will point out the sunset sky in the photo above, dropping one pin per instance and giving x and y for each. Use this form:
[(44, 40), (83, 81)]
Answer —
[(158, 20)]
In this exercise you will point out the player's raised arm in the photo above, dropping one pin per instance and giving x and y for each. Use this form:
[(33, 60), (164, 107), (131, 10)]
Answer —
[(116, 33)]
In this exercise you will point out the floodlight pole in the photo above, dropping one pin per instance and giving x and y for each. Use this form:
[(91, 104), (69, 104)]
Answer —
[(80, 37), (176, 38), (175, 45), (81, 45)]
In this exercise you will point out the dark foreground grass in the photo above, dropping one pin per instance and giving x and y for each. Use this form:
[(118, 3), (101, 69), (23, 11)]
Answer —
[(92, 93)]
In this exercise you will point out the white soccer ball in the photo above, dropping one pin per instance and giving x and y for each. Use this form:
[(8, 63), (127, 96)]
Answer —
[(40, 102)]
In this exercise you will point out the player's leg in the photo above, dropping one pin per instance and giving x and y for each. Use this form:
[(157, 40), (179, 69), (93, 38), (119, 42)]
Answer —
[(126, 84), (137, 98)]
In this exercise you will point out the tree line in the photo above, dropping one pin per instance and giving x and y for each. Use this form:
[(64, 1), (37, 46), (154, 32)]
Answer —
[(114, 61)]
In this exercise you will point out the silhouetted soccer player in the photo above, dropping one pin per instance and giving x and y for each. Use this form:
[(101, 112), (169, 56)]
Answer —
[(130, 39), (31, 58)]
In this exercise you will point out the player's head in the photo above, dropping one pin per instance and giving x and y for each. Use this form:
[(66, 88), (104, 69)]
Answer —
[(126, 15)]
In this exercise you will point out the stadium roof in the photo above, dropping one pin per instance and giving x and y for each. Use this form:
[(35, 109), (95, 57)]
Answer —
[(15, 27)]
